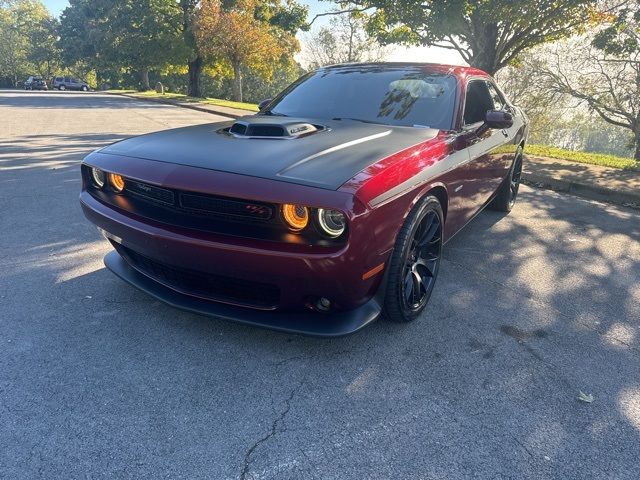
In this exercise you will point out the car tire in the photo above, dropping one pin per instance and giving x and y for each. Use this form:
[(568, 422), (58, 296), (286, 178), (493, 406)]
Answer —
[(85, 88), (415, 262), (62, 88), (507, 194)]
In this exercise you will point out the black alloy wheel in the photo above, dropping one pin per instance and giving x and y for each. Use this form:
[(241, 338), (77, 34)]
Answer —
[(516, 177), (507, 193), (415, 262)]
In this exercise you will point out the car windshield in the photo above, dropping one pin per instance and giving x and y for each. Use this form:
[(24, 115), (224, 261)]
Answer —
[(406, 96)]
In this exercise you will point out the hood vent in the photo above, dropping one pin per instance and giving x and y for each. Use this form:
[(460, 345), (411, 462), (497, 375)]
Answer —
[(261, 129)]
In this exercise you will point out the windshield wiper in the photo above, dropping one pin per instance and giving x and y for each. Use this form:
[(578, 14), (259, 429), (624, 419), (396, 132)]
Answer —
[(357, 120), (272, 114)]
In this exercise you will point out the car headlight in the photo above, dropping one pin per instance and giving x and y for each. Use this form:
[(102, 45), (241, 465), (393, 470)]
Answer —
[(332, 222), (97, 176), (117, 182), (295, 216)]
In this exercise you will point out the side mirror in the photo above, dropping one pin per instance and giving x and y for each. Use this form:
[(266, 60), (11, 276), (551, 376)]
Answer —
[(498, 119), (263, 104)]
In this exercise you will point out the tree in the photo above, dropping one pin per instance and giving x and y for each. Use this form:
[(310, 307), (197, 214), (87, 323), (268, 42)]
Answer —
[(547, 110), (22, 22), (81, 34), (44, 52), (345, 40), (190, 10), (603, 74), (142, 35), (241, 35), (137, 35), (488, 34)]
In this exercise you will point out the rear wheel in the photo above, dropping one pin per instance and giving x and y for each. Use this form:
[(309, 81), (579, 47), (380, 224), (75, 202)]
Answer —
[(62, 87), (415, 262), (505, 199), (85, 88)]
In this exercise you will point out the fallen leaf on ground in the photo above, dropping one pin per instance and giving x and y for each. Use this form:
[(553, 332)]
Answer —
[(583, 397)]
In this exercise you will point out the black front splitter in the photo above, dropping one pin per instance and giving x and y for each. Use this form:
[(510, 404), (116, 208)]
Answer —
[(314, 324)]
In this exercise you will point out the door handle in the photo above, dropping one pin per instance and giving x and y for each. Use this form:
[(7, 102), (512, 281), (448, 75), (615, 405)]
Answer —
[(505, 133)]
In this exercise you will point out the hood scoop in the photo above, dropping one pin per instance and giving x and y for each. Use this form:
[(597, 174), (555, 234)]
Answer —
[(261, 127)]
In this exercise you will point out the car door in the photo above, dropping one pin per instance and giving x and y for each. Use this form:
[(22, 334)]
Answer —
[(503, 156), (486, 167)]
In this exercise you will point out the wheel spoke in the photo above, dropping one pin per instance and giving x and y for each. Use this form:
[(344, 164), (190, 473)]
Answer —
[(430, 230), (408, 285), (417, 283), (428, 264)]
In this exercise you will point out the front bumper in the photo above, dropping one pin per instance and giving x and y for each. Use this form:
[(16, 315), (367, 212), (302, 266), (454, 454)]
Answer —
[(301, 273), (314, 324)]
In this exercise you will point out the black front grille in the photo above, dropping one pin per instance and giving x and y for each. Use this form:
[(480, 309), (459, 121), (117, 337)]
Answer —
[(204, 285), (216, 205), (199, 204)]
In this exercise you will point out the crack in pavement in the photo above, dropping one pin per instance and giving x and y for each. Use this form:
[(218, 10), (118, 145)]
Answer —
[(272, 432)]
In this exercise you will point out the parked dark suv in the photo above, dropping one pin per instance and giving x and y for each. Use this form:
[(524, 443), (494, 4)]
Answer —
[(69, 83), (35, 83)]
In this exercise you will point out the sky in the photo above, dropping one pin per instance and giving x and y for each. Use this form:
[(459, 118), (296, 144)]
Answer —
[(396, 54)]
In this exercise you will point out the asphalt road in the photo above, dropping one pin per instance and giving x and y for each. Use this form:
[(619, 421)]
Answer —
[(98, 380)]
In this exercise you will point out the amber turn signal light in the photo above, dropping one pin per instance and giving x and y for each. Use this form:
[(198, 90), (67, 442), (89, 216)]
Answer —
[(117, 182), (295, 216)]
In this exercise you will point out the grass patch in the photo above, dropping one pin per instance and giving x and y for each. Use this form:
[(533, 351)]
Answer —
[(601, 159), (183, 98), (120, 91)]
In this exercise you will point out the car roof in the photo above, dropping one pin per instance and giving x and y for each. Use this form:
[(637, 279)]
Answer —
[(456, 70)]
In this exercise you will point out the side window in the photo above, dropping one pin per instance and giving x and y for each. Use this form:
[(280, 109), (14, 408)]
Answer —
[(66, 80), (498, 101), (477, 103)]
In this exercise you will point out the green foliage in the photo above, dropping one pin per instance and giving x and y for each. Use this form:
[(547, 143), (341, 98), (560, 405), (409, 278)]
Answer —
[(621, 37), (137, 35), (27, 41), (488, 34), (241, 34), (602, 69), (582, 157), (180, 97)]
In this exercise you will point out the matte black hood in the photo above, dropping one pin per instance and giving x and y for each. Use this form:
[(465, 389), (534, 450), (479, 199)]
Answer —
[(325, 158)]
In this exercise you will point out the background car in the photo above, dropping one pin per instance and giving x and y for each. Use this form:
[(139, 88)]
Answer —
[(69, 83), (35, 83)]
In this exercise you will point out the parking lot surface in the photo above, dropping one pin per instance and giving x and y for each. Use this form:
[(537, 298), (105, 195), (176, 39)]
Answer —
[(98, 380)]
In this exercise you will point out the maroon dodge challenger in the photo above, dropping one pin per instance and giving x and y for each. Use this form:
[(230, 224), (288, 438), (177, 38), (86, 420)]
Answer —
[(325, 210)]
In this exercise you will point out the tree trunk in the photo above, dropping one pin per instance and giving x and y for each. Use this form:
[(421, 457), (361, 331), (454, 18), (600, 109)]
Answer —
[(484, 46), (637, 154), (237, 82), (195, 68), (144, 79)]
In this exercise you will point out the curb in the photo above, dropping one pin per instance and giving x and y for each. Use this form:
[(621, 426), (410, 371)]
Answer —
[(590, 191), (209, 109)]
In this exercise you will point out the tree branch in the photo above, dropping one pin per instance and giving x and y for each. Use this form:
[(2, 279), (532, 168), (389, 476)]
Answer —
[(338, 12)]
